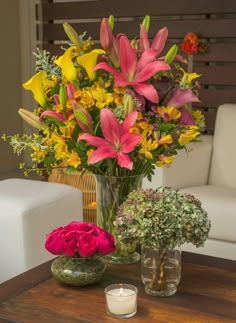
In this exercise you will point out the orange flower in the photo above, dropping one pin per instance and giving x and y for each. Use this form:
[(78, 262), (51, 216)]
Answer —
[(191, 38)]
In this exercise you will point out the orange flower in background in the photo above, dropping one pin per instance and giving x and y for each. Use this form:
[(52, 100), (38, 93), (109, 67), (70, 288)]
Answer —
[(192, 45), (191, 38)]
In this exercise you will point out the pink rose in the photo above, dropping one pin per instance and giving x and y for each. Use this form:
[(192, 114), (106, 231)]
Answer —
[(106, 243), (87, 244), (81, 227), (54, 241), (98, 230), (70, 243)]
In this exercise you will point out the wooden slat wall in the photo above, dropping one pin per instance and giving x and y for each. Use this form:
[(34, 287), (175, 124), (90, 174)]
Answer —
[(214, 21)]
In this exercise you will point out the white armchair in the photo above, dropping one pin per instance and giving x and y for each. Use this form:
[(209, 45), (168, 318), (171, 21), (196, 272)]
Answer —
[(208, 172)]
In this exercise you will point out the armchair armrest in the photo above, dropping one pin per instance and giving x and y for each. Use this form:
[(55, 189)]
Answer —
[(189, 169)]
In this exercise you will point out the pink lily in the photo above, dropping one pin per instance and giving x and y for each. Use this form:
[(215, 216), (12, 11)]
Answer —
[(118, 140), (186, 117), (49, 113), (181, 97), (133, 71), (158, 42)]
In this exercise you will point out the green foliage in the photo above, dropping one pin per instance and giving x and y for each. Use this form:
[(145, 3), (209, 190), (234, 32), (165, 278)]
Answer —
[(45, 62)]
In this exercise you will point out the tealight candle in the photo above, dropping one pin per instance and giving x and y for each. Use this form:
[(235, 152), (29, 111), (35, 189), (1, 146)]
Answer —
[(121, 300)]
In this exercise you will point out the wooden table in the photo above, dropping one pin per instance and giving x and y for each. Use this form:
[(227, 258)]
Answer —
[(207, 293)]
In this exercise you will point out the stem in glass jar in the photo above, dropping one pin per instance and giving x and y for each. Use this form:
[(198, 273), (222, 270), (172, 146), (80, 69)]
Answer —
[(158, 275)]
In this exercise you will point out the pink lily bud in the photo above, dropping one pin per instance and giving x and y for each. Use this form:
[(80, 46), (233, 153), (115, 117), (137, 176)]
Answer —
[(106, 36), (70, 90), (49, 113), (56, 99), (83, 118), (109, 43)]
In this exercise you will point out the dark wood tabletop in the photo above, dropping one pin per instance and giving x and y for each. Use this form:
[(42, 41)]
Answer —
[(206, 294)]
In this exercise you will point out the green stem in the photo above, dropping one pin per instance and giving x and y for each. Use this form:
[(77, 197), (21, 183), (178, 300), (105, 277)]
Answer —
[(158, 277)]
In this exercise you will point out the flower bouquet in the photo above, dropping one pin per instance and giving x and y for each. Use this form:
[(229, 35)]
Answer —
[(162, 220), (81, 247), (117, 110)]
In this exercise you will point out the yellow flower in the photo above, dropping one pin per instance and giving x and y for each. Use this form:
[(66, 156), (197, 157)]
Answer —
[(145, 126), (197, 115), (165, 139), (169, 113), (188, 136), (37, 85), (165, 160), (60, 146), (187, 78), (73, 159), (89, 152), (92, 204), (85, 97), (68, 129), (89, 60), (147, 147), (38, 154), (119, 89), (102, 97), (69, 104), (65, 62), (59, 108)]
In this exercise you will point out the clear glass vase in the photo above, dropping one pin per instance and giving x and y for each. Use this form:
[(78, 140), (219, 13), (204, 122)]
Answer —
[(160, 271), (110, 193), (78, 271)]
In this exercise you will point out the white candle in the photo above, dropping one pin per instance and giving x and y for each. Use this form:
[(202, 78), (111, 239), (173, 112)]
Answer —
[(121, 300)]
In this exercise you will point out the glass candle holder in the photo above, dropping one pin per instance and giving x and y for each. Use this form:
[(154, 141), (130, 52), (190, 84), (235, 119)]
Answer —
[(121, 300)]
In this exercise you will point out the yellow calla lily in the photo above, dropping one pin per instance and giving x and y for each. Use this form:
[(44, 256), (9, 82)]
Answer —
[(36, 85), (66, 64), (89, 60), (187, 79)]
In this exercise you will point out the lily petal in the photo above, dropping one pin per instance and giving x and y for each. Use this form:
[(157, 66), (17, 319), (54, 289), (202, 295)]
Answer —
[(129, 141), (106, 67), (181, 97), (128, 59), (147, 57), (101, 153), (124, 161), (148, 91), (129, 121), (92, 140), (150, 69), (186, 117), (145, 44), (159, 40), (111, 127)]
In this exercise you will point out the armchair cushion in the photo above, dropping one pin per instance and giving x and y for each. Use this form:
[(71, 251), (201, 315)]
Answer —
[(223, 165), (220, 204), (190, 168)]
